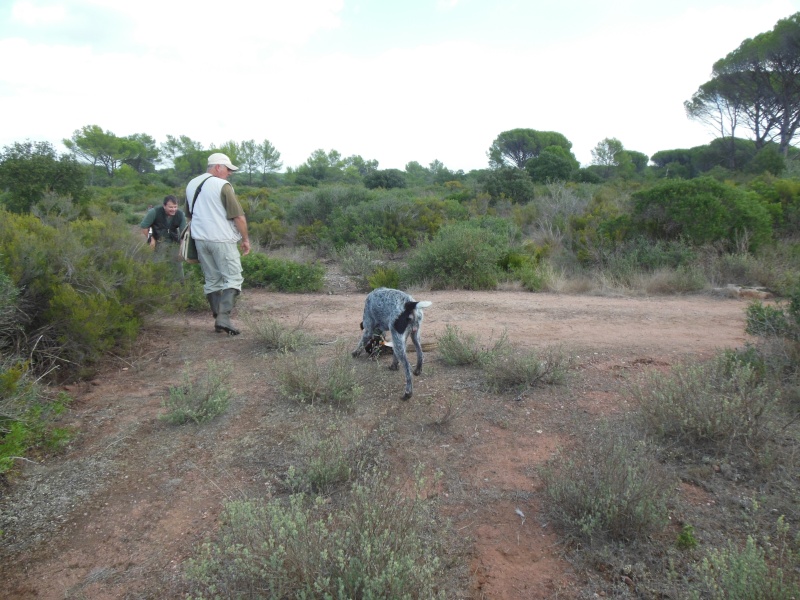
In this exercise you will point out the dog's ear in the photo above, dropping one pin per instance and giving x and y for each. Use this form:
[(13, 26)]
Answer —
[(424, 304)]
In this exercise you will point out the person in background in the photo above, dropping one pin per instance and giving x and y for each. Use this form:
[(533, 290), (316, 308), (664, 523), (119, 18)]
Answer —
[(218, 225), (162, 225)]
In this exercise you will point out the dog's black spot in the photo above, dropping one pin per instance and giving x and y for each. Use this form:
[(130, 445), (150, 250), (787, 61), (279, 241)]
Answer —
[(401, 322)]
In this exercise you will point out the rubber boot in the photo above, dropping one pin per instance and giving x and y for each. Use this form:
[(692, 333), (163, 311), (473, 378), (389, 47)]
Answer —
[(227, 300), (213, 302)]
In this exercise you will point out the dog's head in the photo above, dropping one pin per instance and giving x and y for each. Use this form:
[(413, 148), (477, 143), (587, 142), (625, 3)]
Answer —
[(411, 316)]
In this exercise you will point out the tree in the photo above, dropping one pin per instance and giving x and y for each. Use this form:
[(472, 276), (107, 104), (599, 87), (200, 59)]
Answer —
[(553, 164), (98, 147), (29, 170), (140, 153), (386, 179), (229, 149), (516, 147), (248, 159), (756, 86), (320, 166), (179, 146), (269, 158), (508, 182), (188, 156), (610, 159), (416, 174)]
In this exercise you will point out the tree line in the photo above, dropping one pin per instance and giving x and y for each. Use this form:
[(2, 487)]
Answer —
[(755, 89)]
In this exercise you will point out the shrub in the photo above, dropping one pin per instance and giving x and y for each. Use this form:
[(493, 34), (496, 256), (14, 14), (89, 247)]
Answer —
[(303, 378), (83, 291), (200, 400), (701, 211), (717, 404), (272, 335), (326, 460), (357, 260), (460, 256), (508, 370), (26, 414), (280, 275), (734, 573), (457, 348), (384, 277), (393, 222), (376, 544), (610, 487)]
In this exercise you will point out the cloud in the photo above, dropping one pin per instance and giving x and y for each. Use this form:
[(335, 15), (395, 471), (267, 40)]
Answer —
[(29, 14)]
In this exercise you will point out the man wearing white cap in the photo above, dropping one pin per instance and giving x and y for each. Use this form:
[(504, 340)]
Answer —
[(218, 225)]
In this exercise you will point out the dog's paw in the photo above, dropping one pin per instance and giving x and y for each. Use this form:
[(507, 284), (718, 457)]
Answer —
[(418, 371), (394, 367), (407, 395)]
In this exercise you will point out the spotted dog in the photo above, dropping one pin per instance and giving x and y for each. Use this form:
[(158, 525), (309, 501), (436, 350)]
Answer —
[(398, 313)]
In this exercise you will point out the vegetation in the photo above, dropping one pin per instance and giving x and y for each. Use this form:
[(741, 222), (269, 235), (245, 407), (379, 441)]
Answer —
[(374, 543), (200, 398), (77, 286)]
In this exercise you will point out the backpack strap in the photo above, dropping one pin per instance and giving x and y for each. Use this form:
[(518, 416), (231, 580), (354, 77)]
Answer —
[(190, 209)]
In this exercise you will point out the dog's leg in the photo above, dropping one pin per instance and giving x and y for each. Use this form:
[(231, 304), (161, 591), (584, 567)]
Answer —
[(400, 356), (418, 348), (363, 341)]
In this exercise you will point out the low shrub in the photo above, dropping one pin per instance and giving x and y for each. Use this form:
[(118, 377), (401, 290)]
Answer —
[(384, 277), (27, 415), (272, 335), (327, 460), (457, 348), (718, 404), (376, 543), (199, 400), (610, 487), (509, 370), (735, 573), (280, 275), (306, 379), (460, 256)]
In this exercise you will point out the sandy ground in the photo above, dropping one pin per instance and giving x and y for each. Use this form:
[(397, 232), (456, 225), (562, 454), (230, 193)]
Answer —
[(117, 513)]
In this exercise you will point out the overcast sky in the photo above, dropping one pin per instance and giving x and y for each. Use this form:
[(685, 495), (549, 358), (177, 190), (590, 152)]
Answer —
[(393, 81)]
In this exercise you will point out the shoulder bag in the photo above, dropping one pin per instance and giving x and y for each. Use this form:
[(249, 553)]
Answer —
[(188, 248)]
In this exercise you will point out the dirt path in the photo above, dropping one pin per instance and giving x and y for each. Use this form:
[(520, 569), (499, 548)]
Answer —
[(115, 516)]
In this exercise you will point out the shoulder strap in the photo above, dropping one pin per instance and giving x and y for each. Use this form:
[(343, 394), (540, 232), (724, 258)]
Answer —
[(190, 209)]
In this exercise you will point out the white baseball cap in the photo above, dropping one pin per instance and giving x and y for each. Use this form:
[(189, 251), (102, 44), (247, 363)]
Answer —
[(218, 158)]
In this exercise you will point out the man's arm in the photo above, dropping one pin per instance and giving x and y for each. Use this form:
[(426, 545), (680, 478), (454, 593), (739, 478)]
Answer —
[(241, 225)]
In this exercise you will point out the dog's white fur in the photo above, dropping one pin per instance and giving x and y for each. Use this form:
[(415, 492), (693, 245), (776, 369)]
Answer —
[(398, 313)]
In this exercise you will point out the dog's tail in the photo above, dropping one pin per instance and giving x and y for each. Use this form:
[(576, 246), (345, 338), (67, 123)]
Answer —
[(424, 304)]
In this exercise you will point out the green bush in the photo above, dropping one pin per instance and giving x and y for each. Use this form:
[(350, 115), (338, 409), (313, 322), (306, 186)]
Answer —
[(460, 256), (610, 487), (280, 275), (734, 573), (384, 277), (84, 289), (26, 414), (374, 544), (393, 222), (702, 211), (201, 399)]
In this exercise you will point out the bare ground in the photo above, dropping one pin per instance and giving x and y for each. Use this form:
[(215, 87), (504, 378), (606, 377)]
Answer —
[(116, 514)]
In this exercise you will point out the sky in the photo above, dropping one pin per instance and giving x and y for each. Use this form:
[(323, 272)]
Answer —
[(417, 80)]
